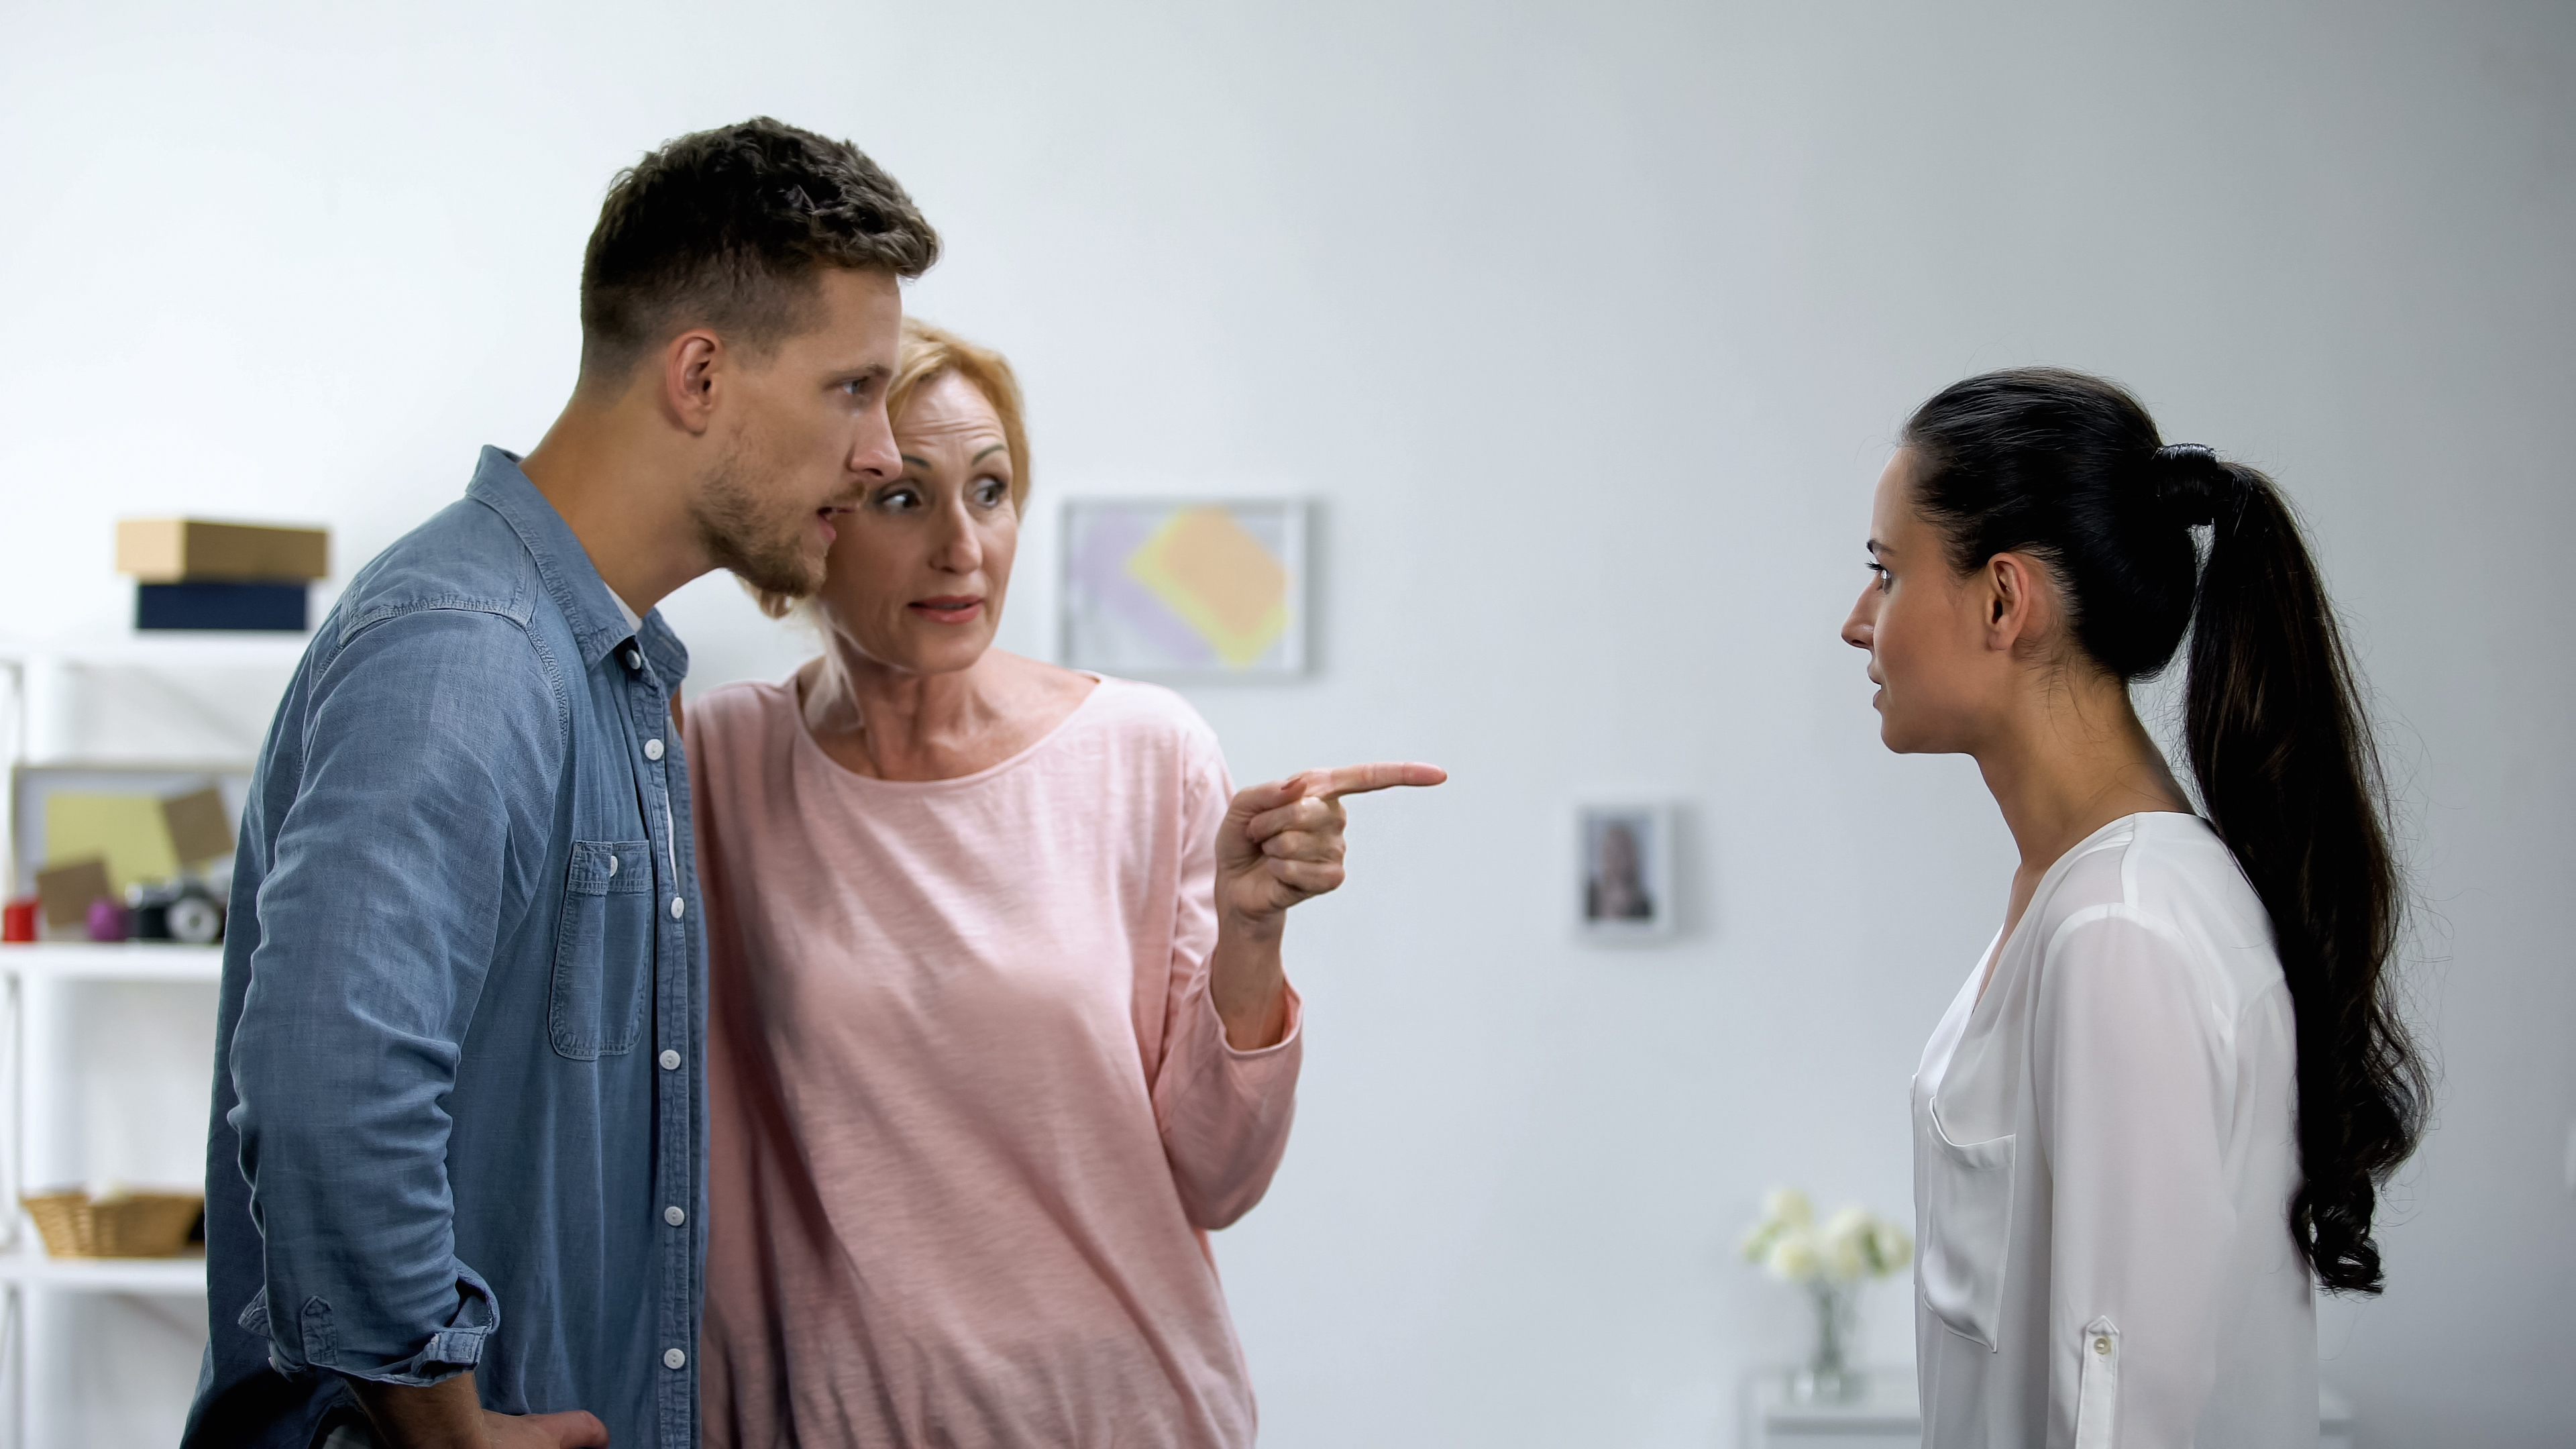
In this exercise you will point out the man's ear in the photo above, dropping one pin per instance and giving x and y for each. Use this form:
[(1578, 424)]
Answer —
[(691, 365)]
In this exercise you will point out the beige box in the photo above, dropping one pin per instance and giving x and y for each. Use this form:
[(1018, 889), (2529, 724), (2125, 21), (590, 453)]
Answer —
[(180, 550)]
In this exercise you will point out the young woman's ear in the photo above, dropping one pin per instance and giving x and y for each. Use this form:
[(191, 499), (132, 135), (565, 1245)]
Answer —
[(2012, 601)]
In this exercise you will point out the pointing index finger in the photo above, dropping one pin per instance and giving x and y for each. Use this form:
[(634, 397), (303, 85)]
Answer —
[(1343, 780)]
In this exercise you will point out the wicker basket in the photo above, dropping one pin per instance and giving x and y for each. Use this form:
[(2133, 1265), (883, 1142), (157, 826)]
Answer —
[(131, 1225)]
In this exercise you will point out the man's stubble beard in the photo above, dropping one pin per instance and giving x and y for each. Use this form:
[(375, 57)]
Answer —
[(765, 552)]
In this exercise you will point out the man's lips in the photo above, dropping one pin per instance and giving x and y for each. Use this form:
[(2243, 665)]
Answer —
[(948, 609)]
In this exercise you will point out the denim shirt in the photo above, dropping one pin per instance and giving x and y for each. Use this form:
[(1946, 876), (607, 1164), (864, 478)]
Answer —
[(458, 1118)]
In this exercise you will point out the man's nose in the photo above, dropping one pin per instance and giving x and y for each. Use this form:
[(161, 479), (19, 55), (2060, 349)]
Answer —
[(873, 453)]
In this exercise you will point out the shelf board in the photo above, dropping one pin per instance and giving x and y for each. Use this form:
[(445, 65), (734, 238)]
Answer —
[(122, 961), (186, 648), (30, 1268)]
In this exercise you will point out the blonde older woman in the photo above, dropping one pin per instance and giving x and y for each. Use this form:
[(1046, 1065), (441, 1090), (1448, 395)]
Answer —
[(999, 1027)]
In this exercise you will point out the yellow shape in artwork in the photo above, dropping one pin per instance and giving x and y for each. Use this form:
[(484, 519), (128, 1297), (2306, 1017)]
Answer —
[(129, 830), (1218, 579)]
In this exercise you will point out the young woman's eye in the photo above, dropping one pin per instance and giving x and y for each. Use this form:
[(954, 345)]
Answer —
[(1884, 578)]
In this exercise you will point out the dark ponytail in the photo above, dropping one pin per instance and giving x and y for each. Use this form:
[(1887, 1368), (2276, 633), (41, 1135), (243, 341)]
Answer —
[(2068, 468)]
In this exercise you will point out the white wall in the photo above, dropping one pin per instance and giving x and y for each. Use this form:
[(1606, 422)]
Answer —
[(1590, 325)]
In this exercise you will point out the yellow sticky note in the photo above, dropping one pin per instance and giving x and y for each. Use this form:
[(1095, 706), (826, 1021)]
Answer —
[(129, 830)]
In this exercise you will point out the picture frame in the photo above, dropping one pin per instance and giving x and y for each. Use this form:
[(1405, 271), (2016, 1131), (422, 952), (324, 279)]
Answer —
[(1623, 875), (1185, 590)]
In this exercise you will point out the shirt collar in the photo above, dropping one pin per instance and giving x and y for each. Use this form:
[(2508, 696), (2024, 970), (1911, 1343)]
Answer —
[(598, 618)]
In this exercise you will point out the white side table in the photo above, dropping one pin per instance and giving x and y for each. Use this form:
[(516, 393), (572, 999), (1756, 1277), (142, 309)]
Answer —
[(1887, 1416), (1883, 1418)]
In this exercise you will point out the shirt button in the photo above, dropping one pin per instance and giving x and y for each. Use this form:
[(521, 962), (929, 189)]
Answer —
[(2100, 1345), (679, 908), (634, 660), (673, 1358), (652, 749), (670, 1060), (674, 1216)]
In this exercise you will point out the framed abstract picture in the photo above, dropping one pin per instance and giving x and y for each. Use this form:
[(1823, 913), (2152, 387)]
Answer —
[(1184, 590)]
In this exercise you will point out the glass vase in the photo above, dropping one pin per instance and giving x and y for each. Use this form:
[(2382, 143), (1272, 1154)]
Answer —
[(1829, 1376)]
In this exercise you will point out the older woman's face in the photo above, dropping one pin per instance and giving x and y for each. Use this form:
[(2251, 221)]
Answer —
[(915, 579)]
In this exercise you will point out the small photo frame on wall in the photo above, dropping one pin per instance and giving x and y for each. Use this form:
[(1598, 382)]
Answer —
[(1624, 875)]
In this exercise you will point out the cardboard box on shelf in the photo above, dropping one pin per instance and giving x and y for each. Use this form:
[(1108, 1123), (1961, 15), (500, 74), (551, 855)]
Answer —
[(192, 550)]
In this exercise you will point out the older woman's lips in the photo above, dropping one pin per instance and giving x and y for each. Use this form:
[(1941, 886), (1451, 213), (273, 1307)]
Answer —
[(947, 611)]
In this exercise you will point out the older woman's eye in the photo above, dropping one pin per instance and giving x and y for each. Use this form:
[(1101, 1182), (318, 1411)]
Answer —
[(992, 493), (897, 500)]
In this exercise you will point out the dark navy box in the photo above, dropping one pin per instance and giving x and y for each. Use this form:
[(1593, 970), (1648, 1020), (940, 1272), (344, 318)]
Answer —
[(276, 607)]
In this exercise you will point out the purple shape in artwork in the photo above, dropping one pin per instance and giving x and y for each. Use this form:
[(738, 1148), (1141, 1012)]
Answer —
[(1101, 564)]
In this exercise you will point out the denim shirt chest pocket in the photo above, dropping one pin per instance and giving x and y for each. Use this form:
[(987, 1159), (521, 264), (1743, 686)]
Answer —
[(603, 950)]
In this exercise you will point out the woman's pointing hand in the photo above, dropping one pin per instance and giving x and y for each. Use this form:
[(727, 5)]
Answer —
[(1282, 842)]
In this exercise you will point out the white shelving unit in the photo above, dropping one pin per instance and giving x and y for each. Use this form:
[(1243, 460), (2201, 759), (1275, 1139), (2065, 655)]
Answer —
[(26, 1270), (109, 1046)]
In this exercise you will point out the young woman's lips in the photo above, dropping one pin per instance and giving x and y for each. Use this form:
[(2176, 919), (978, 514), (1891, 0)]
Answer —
[(954, 610)]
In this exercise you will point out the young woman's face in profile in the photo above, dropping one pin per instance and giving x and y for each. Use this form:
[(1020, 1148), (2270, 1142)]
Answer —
[(917, 575), (1920, 623)]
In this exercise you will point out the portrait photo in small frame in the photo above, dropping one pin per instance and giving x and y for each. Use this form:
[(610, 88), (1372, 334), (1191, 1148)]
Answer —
[(1625, 872)]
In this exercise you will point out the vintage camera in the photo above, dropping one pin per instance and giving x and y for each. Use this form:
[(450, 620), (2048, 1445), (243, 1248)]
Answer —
[(179, 910)]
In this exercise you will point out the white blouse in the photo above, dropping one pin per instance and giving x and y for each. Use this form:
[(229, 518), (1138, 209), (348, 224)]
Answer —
[(2103, 1163)]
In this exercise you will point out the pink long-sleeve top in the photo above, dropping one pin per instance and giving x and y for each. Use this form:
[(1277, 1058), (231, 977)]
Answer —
[(971, 1110)]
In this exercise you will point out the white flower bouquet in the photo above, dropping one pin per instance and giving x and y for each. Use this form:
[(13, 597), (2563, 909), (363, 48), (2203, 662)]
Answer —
[(1829, 1260), (1851, 1245)]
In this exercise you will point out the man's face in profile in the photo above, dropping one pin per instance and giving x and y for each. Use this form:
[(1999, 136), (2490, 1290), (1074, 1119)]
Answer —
[(808, 434)]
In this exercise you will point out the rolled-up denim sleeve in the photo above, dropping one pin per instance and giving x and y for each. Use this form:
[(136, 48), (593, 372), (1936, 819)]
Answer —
[(415, 836)]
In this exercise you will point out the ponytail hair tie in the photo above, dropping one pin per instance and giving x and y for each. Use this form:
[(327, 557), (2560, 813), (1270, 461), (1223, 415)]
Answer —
[(2191, 483)]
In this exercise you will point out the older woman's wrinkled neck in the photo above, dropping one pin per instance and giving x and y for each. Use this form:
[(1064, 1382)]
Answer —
[(886, 722)]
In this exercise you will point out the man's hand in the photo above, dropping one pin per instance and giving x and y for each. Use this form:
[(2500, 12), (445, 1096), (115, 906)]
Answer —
[(448, 1416), (1281, 843)]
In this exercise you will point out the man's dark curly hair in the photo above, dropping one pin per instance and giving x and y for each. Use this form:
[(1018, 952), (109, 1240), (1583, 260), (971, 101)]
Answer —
[(728, 229)]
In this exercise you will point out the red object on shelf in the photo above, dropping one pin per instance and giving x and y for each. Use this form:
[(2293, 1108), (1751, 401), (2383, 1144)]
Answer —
[(20, 924)]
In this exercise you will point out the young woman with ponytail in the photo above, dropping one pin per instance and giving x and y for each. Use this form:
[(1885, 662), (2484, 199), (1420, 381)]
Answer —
[(2159, 1110)]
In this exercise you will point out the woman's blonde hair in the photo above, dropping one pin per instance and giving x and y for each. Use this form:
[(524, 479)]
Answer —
[(929, 353)]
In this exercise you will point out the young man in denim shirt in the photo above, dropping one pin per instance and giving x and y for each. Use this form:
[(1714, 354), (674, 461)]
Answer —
[(453, 1182)]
